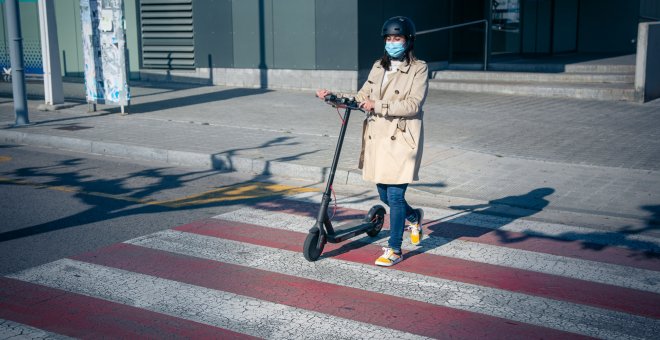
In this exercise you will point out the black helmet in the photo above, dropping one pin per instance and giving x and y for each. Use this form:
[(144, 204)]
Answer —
[(399, 25)]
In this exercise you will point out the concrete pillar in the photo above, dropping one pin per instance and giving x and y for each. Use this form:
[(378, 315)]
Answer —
[(50, 54), (647, 72), (13, 17)]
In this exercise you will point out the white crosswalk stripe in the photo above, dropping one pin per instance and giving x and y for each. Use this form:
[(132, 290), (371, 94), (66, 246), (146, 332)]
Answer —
[(231, 311), (199, 301), (533, 228), (514, 258), (14, 330), (513, 306)]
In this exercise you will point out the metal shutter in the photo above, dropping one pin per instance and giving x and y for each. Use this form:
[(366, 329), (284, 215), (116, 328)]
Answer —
[(167, 34)]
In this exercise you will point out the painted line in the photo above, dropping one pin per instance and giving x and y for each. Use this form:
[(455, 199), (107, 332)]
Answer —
[(88, 317), (520, 281), (452, 231), (519, 225), (5, 159), (517, 307), (244, 191), (548, 245), (14, 330), (605, 273), (349, 303), (217, 308)]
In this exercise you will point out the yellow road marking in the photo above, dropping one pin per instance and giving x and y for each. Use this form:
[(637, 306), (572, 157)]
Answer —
[(5, 158), (237, 192)]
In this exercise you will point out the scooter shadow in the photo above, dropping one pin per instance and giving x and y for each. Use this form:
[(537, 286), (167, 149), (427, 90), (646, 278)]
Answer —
[(355, 244)]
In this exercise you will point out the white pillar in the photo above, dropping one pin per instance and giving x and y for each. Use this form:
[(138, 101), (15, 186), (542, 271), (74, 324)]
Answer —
[(50, 54)]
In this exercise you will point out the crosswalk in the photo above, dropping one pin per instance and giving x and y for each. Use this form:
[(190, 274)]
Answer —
[(241, 274)]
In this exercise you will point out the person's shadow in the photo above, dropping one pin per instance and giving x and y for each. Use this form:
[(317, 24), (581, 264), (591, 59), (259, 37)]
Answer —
[(474, 221)]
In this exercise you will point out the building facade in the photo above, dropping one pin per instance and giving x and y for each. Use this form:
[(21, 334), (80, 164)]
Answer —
[(321, 43)]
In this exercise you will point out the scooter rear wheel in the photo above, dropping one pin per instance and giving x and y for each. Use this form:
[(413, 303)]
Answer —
[(376, 216), (311, 249)]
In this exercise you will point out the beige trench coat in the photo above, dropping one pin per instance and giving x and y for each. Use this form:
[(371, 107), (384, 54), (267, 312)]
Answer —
[(393, 137)]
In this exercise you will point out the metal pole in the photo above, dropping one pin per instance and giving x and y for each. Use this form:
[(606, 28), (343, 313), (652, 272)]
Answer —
[(486, 46), (16, 59), (53, 92)]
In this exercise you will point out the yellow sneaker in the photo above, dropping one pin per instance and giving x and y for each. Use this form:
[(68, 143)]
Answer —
[(416, 232), (389, 258)]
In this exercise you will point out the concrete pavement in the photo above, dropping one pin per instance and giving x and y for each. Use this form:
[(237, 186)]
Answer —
[(576, 255), (570, 161)]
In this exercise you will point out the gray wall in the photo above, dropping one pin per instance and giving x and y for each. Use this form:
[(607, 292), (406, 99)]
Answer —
[(337, 33), (67, 17), (30, 34), (650, 8), (427, 14), (608, 26), (536, 26), (647, 73), (565, 17), (69, 37), (281, 34), (132, 16), (212, 27)]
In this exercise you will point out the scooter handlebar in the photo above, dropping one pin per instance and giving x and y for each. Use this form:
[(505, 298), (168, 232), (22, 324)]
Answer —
[(342, 102)]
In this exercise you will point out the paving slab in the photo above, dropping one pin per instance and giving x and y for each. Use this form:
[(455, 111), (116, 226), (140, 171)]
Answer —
[(561, 159)]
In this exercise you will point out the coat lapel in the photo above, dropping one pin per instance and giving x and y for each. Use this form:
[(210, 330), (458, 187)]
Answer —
[(380, 73), (392, 80)]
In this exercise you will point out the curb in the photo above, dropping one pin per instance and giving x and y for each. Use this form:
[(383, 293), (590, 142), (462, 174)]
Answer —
[(258, 167), (218, 162)]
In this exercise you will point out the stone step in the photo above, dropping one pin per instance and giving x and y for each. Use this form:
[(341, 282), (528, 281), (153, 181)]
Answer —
[(549, 67), (595, 91), (600, 68), (622, 78)]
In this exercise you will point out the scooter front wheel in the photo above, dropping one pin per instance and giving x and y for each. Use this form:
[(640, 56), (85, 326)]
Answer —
[(311, 249), (376, 216)]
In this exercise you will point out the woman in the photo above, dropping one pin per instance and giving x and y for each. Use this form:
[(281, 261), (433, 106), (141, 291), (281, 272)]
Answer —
[(392, 133)]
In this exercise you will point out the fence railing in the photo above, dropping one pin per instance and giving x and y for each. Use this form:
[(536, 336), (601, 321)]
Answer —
[(644, 17), (483, 21)]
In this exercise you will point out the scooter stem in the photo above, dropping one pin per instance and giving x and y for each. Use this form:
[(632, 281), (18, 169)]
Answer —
[(340, 142), (325, 202)]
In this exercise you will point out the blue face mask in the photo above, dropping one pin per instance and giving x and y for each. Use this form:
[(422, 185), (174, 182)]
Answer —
[(395, 49)]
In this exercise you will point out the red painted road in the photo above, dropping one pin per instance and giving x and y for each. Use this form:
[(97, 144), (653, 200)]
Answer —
[(81, 316), (539, 244), (517, 280), (350, 303)]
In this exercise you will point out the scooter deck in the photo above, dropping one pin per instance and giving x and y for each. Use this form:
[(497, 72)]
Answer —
[(349, 229)]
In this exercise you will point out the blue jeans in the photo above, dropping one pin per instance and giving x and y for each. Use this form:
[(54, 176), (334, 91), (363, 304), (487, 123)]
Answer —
[(394, 196)]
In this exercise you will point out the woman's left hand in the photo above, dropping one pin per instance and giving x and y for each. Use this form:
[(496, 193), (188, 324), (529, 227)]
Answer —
[(368, 105)]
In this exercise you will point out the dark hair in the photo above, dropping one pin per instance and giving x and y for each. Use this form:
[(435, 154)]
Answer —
[(408, 55)]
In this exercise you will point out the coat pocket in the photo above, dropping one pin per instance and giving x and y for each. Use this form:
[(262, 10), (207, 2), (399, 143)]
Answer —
[(365, 135), (405, 133)]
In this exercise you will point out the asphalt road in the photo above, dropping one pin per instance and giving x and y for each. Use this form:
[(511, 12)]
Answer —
[(55, 204), (102, 247)]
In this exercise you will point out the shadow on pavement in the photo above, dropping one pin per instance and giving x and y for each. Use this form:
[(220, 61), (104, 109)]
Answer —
[(114, 198), (195, 99), (465, 225)]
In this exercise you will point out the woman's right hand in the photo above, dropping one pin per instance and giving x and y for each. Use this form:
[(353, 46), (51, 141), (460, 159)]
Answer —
[(321, 93)]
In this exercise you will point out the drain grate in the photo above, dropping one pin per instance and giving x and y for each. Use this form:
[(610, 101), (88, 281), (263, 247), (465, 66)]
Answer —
[(73, 127)]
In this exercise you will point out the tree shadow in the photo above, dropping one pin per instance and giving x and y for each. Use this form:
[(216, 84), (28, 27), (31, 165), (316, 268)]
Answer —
[(462, 223), (428, 185), (158, 105), (196, 99), (115, 198), (478, 220)]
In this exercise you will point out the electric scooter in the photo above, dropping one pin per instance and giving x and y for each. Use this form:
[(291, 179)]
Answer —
[(323, 231)]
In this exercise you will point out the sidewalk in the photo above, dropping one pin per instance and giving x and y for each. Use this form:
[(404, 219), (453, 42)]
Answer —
[(577, 161)]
